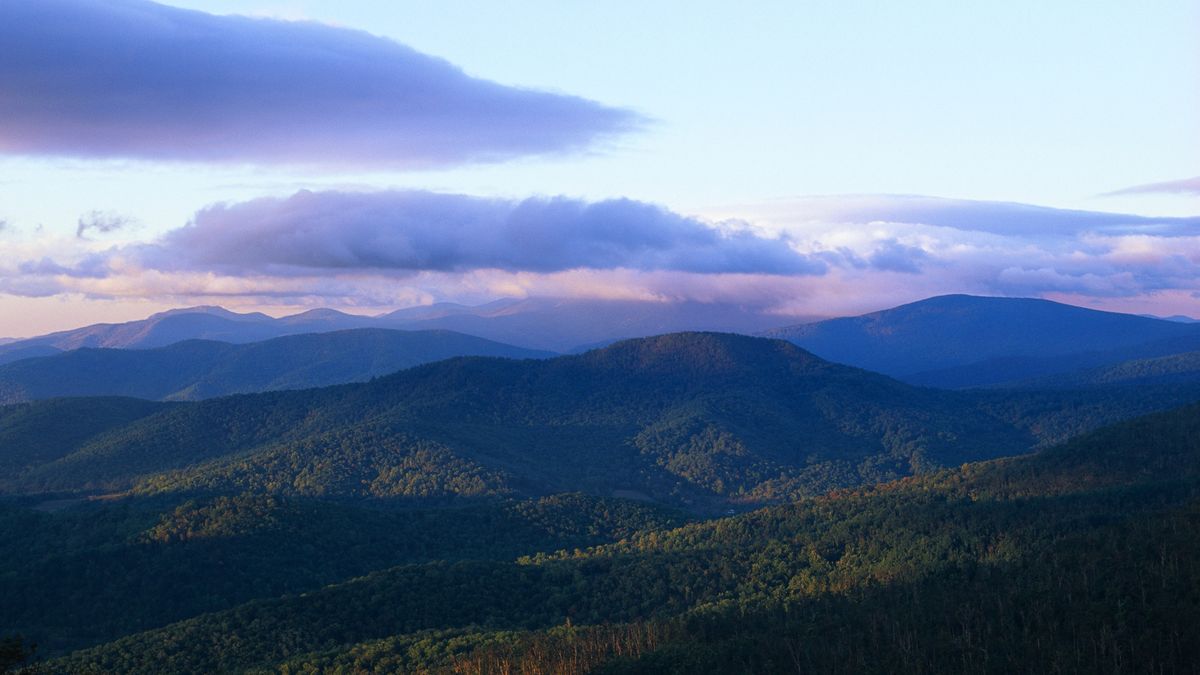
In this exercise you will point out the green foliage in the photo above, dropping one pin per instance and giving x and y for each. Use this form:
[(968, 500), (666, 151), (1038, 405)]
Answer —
[(41, 433), (1079, 559), (702, 420), (101, 570), (414, 523)]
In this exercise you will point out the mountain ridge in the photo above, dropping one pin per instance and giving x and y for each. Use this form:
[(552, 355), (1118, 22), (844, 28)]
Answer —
[(545, 324), (699, 420), (949, 340), (196, 369)]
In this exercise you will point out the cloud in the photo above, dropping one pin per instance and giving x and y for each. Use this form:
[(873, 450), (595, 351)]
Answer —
[(1002, 218), (135, 79), (393, 248), (416, 231), (102, 222), (896, 257), (1185, 186)]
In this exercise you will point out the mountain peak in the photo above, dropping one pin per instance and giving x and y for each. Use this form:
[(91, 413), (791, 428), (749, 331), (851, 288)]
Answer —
[(705, 352), (950, 331), (211, 310)]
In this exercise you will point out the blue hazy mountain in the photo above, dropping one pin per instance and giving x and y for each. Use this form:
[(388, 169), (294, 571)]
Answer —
[(552, 324), (964, 341), (197, 369)]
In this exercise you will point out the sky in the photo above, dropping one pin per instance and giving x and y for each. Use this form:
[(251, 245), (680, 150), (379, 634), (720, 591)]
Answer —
[(806, 158)]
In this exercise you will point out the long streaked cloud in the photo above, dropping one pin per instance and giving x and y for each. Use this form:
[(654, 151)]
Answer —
[(135, 79), (416, 231), (1002, 218), (1185, 186)]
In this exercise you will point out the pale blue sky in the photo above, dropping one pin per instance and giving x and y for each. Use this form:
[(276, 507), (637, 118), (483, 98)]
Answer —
[(752, 105), (1045, 102)]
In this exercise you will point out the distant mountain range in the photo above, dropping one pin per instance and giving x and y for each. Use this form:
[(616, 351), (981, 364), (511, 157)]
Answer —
[(955, 341), (1180, 318), (196, 369), (550, 324), (966, 341)]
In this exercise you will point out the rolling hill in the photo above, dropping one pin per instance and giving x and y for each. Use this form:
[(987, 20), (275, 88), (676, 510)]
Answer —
[(688, 418), (698, 420), (198, 369), (959, 341), (1082, 558)]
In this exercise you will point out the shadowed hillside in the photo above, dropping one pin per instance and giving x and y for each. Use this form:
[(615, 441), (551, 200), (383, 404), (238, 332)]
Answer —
[(1080, 559), (963, 341), (196, 369)]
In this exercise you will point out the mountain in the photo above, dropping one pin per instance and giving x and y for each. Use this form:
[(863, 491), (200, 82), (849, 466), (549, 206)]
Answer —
[(197, 369), (699, 419), (1082, 558), (564, 325), (963, 341), (193, 323), (477, 510), (536, 323)]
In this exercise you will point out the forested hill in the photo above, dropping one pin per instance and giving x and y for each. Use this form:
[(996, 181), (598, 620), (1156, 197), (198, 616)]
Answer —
[(1081, 559), (700, 420), (198, 369), (689, 418)]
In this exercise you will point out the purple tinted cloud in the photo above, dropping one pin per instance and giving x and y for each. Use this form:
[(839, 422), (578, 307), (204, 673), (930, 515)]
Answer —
[(416, 231), (893, 256), (134, 79), (1185, 186), (1003, 218), (93, 266), (102, 222)]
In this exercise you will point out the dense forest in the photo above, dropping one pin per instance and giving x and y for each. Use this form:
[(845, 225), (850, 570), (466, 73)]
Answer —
[(701, 421), (1078, 559), (688, 503)]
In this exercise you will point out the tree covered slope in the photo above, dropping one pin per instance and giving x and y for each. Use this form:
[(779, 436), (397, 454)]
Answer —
[(1080, 559), (690, 418)]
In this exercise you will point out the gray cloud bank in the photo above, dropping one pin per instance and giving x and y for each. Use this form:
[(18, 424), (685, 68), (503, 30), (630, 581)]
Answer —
[(416, 231), (135, 79)]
